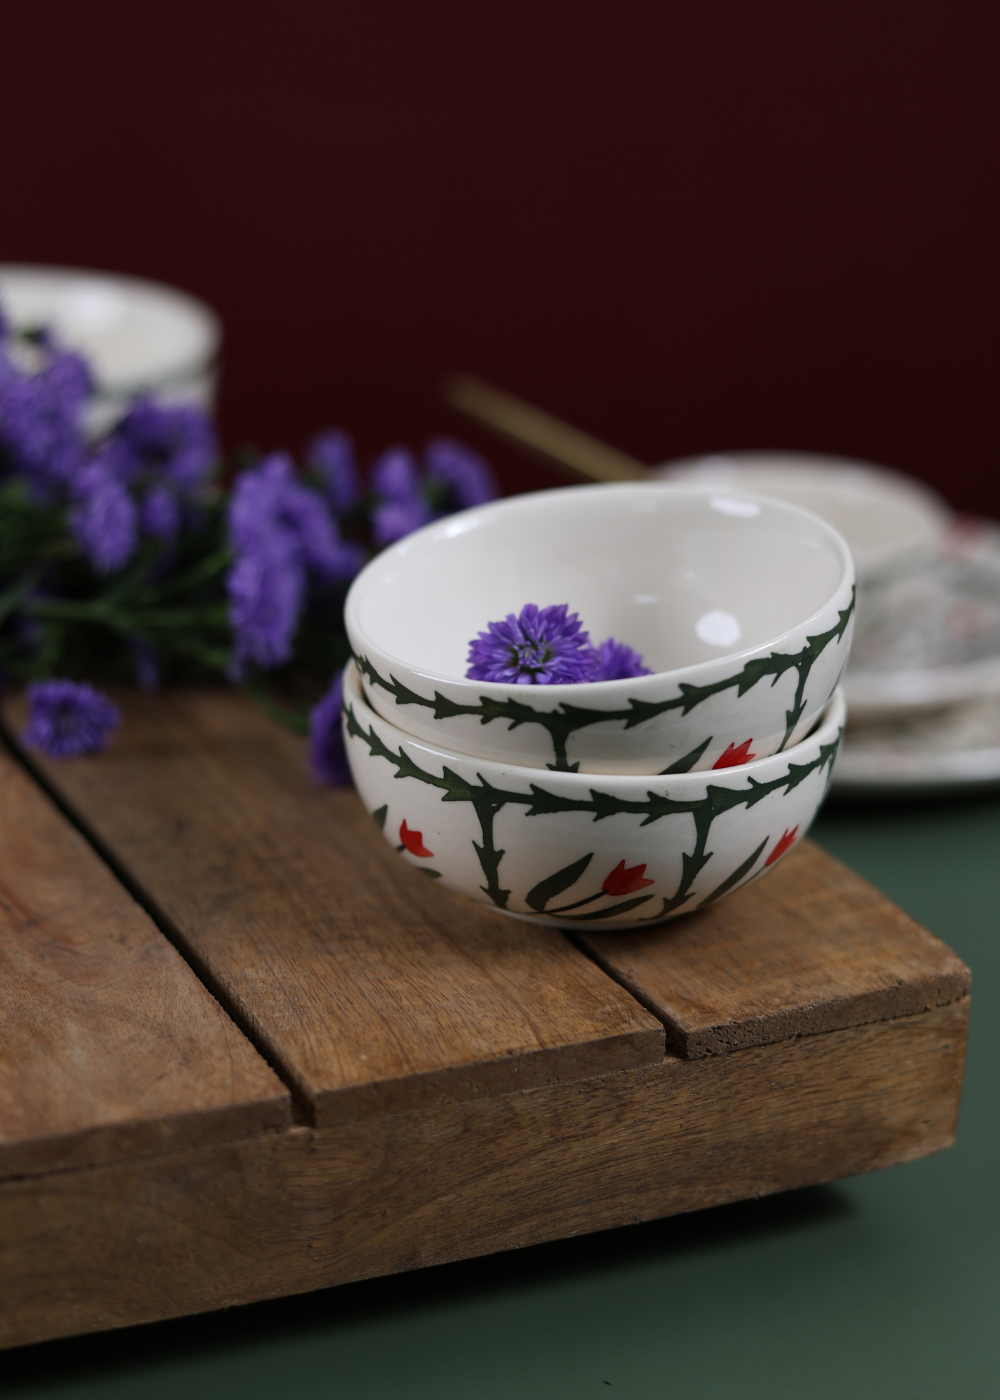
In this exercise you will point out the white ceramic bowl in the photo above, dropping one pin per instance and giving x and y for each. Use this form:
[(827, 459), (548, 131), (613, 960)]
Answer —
[(139, 337), (569, 849), (743, 607), (886, 517)]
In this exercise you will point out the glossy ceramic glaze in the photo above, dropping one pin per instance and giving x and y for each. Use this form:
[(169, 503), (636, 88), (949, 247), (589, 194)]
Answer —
[(743, 607), (569, 849), (886, 517)]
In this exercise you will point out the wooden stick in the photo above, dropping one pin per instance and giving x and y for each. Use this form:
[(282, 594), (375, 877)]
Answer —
[(533, 427)]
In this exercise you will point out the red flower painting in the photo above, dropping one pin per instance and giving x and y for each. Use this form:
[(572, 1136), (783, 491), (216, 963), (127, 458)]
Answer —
[(734, 755), (622, 881), (413, 841), (782, 846)]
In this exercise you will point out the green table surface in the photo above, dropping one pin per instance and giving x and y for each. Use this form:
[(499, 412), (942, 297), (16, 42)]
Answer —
[(882, 1285)]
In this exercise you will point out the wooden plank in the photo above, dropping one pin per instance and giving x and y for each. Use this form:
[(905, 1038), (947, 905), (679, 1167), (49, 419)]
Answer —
[(109, 1044), (373, 988), (811, 948), (189, 1231)]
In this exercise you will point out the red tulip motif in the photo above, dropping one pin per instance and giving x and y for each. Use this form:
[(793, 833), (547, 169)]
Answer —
[(622, 881), (413, 841), (734, 755), (782, 845)]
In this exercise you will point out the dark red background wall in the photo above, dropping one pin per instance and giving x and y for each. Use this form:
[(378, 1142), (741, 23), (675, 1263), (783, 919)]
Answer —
[(684, 226)]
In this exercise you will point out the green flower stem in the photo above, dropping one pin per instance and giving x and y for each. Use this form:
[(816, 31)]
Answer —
[(123, 620), (15, 595), (208, 568), (295, 720)]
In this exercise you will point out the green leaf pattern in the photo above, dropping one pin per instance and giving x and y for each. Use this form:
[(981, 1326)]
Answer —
[(564, 721), (487, 800)]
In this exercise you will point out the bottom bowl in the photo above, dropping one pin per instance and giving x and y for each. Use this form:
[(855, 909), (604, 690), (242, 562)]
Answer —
[(574, 848)]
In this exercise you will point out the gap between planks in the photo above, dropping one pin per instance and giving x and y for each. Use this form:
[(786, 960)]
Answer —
[(300, 1107), (368, 989), (812, 948)]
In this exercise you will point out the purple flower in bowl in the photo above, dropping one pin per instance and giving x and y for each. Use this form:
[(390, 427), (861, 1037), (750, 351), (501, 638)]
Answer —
[(616, 661), (540, 646)]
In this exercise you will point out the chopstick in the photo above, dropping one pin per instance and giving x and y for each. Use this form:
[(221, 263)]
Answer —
[(532, 427)]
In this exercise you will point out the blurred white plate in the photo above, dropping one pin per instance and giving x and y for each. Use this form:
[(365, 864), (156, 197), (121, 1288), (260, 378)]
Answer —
[(934, 753), (930, 635), (884, 516), (138, 336)]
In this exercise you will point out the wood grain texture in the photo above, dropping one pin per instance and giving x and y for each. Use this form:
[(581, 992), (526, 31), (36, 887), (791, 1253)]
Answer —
[(812, 947), (109, 1044), (370, 986), (190, 1231)]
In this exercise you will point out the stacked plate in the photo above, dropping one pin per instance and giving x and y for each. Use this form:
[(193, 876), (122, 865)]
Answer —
[(923, 685), (616, 801)]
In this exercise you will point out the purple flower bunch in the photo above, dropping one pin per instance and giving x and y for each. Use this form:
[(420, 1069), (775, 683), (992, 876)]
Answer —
[(139, 482), (292, 536), (146, 480), (548, 646), (126, 557), (283, 535), (68, 718), (43, 391), (408, 495)]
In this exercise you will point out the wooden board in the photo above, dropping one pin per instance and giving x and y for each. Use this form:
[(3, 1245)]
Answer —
[(402, 1191), (812, 948), (368, 985), (464, 1082), (109, 1045)]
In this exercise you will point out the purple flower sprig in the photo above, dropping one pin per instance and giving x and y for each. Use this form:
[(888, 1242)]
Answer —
[(67, 719), (131, 554), (548, 646), (327, 753), (283, 536), (407, 496)]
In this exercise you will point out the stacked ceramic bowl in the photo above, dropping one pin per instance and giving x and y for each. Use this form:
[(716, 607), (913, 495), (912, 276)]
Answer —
[(622, 801)]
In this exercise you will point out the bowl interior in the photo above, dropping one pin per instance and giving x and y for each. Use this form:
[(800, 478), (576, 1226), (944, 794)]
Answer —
[(684, 575)]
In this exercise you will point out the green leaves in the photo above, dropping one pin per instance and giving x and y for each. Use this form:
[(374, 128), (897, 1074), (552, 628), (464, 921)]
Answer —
[(488, 800), (539, 895), (736, 876), (59, 617)]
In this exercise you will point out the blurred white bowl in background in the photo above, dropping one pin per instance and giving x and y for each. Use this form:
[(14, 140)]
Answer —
[(139, 337), (885, 517)]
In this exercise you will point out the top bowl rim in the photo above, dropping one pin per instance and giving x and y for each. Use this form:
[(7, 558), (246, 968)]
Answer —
[(566, 692)]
